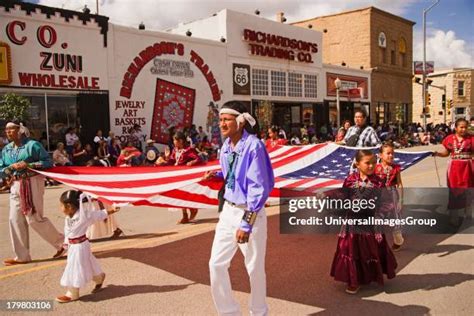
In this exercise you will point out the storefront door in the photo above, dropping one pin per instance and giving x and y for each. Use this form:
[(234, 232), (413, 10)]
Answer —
[(93, 112)]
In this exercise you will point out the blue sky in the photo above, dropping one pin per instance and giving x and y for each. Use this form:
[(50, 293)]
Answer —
[(450, 24)]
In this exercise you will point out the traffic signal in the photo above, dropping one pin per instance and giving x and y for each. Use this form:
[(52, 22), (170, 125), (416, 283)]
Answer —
[(416, 79), (450, 104), (428, 99), (443, 101)]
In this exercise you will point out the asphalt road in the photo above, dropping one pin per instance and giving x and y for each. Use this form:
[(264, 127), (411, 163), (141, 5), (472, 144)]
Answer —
[(159, 267)]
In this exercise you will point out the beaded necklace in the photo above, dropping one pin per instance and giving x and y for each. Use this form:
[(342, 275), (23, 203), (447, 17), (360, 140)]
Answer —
[(15, 152), (457, 150), (387, 172), (178, 155)]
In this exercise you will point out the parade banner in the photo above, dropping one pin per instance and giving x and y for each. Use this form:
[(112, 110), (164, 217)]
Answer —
[(311, 167)]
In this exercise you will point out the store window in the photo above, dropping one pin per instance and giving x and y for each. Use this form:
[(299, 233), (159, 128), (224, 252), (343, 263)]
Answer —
[(50, 116), (308, 114), (383, 55), (259, 82), (460, 111), (62, 113), (295, 85), (332, 113), (382, 109), (278, 83), (461, 88), (402, 50), (310, 86)]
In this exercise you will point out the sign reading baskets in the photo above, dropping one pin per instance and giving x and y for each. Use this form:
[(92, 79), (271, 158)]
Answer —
[(276, 46)]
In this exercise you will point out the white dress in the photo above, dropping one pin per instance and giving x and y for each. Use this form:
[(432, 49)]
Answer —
[(81, 264), (104, 228)]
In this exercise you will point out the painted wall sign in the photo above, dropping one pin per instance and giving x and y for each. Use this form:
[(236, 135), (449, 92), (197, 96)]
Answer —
[(56, 61), (5, 64), (276, 46), (168, 67), (351, 86)]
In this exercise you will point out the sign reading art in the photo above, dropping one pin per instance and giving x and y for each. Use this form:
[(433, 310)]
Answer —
[(276, 46), (241, 79)]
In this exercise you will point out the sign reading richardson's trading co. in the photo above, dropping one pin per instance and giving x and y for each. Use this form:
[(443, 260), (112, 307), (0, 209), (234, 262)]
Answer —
[(241, 79), (276, 46)]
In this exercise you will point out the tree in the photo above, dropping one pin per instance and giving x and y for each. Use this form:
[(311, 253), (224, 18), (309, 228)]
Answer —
[(13, 106), (400, 117)]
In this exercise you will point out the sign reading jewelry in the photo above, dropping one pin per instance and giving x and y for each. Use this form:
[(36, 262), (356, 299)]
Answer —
[(276, 46)]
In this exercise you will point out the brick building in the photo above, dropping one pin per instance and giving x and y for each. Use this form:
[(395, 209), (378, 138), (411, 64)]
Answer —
[(456, 85), (376, 40)]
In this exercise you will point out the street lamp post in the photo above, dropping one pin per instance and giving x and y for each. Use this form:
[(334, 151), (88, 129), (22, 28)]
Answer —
[(338, 85), (425, 11)]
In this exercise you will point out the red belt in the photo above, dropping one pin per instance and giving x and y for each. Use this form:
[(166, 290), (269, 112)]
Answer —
[(78, 240)]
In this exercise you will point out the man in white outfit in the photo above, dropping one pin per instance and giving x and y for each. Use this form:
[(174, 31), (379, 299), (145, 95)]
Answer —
[(249, 180)]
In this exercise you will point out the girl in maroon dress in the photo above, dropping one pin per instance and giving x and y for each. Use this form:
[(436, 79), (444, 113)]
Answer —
[(460, 147), (362, 254), (390, 173), (181, 155)]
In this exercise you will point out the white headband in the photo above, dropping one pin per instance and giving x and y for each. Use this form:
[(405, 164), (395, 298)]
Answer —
[(23, 129), (241, 117)]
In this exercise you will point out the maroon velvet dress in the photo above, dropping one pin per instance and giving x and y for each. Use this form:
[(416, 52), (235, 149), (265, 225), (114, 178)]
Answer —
[(359, 258), (460, 169)]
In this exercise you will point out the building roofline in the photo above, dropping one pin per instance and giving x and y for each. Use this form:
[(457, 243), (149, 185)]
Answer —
[(449, 71), (371, 8), (28, 7)]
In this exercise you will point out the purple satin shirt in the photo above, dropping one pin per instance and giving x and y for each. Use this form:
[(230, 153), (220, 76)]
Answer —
[(253, 174)]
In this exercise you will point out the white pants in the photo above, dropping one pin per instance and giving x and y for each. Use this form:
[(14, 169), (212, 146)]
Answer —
[(19, 223), (224, 248)]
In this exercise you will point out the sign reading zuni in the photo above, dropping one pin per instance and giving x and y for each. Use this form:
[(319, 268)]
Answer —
[(275, 46)]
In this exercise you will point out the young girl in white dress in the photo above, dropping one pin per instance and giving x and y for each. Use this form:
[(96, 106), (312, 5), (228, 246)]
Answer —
[(82, 266)]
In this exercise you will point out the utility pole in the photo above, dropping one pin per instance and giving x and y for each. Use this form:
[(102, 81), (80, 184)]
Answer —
[(425, 88)]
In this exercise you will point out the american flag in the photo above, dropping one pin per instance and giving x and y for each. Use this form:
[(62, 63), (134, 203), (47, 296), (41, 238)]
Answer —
[(310, 167)]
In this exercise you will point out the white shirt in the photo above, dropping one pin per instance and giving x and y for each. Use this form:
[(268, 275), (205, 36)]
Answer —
[(76, 226), (97, 139), (71, 138)]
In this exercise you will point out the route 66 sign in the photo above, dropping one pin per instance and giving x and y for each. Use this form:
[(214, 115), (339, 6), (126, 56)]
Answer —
[(241, 74)]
